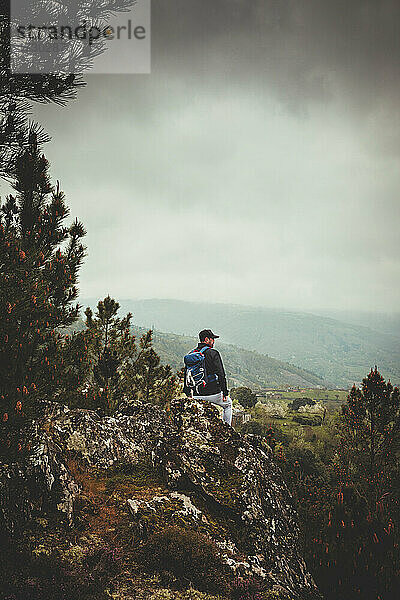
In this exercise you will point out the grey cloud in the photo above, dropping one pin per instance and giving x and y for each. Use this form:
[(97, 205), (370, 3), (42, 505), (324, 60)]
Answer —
[(266, 135), (304, 51)]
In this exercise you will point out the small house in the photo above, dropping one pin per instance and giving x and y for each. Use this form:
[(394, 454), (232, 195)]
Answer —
[(239, 417)]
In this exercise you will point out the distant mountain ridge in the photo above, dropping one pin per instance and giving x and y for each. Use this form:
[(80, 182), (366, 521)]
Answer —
[(339, 352), (382, 322)]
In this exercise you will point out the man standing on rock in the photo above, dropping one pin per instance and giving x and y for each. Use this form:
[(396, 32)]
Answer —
[(205, 375)]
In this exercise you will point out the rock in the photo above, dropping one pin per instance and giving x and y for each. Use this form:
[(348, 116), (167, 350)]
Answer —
[(133, 507), (218, 482), (189, 508), (36, 484), (239, 479), (102, 442)]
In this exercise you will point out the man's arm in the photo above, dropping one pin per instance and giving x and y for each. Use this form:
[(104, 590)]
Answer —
[(220, 371)]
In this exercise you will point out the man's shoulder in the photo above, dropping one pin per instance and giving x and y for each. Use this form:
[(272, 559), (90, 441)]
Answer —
[(214, 352)]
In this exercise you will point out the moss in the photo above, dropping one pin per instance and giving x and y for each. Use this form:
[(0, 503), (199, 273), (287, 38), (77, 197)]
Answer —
[(272, 595), (228, 450), (40, 575), (41, 550), (165, 594), (228, 488), (75, 555), (125, 593), (140, 475), (255, 589)]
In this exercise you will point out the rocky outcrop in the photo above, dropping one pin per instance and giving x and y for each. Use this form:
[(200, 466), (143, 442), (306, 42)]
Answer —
[(238, 478), (224, 485), (40, 482)]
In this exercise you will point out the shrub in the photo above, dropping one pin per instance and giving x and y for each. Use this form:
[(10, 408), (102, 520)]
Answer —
[(254, 427), (244, 396), (255, 589), (308, 420), (305, 460), (102, 564), (187, 556), (247, 589), (45, 577)]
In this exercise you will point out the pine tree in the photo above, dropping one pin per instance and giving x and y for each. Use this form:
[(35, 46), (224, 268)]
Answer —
[(73, 363), (111, 349), (372, 434), (150, 381), (40, 259), (17, 91), (120, 372), (358, 555)]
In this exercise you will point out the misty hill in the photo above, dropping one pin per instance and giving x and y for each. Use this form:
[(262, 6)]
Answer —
[(383, 322), (339, 352), (243, 367)]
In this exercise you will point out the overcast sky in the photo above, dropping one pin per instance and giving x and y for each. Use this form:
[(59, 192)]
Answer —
[(257, 164)]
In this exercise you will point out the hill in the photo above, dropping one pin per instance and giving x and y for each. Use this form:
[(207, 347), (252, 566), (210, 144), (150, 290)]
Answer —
[(339, 352), (383, 322), (243, 367)]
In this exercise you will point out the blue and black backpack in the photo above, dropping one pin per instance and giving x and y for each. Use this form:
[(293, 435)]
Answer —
[(196, 374)]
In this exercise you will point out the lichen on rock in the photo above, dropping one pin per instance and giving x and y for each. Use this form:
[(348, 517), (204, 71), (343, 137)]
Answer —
[(143, 471)]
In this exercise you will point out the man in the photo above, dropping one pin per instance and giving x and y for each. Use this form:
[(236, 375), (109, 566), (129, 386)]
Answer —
[(215, 390)]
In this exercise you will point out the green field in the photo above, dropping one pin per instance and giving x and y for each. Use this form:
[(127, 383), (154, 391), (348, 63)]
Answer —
[(332, 399), (288, 422)]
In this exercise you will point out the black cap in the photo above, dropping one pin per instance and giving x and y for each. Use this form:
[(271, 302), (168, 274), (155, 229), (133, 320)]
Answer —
[(207, 333)]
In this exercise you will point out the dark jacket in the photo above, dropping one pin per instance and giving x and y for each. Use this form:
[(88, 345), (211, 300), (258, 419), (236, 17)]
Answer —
[(214, 366)]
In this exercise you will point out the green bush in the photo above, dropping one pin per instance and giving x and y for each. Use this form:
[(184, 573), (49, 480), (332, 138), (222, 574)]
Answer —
[(185, 557), (307, 461), (253, 427), (308, 420)]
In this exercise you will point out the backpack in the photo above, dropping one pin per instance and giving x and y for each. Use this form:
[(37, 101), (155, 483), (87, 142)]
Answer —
[(196, 374)]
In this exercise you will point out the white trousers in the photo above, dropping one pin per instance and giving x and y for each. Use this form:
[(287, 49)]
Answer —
[(219, 400)]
